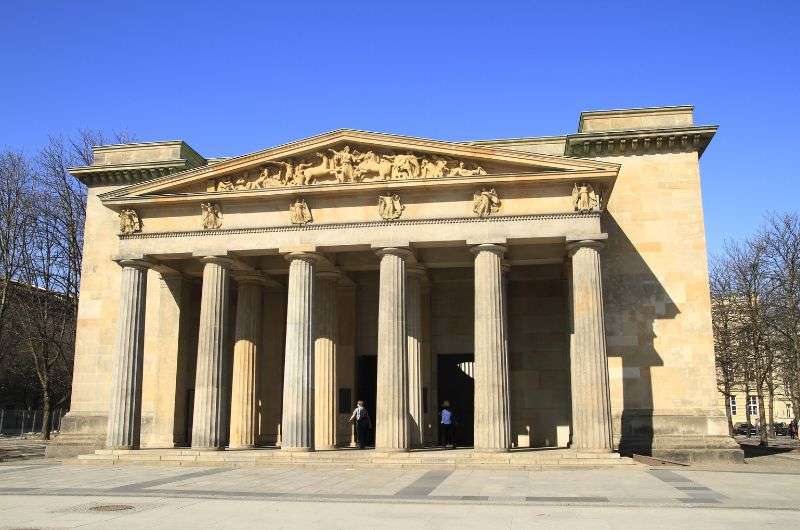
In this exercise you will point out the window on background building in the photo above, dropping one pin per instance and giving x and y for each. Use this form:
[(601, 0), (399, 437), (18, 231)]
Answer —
[(752, 405), (732, 405), (789, 410)]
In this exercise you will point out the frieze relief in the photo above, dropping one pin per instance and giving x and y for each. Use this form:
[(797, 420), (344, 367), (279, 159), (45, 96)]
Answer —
[(586, 198), (129, 222), (211, 216), (485, 202), (390, 207), (299, 212), (348, 165)]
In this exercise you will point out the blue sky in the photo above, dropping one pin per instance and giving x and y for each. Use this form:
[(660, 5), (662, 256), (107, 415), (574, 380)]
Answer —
[(231, 77)]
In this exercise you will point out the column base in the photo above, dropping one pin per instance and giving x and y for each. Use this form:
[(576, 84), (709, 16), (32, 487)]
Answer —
[(81, 433), (687, 449), (251, 446), (207, 448), (392, 449), (132, 447), (324, 447), (698, 436), (593, 451), (297, 449)]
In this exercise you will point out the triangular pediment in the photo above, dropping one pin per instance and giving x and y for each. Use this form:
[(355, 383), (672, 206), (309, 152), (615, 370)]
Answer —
[(348, 157)]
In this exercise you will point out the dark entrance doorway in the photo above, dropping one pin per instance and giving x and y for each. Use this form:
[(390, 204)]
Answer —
[(366, 388), (457, 387)]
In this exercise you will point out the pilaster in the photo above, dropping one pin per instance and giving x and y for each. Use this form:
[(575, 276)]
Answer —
[(246, 350), (325, 342), (415, 353)]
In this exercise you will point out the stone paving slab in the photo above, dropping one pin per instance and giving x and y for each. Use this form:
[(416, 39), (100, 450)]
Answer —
[(612, 487)]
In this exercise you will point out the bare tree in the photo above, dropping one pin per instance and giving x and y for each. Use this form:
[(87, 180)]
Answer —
[(782, 237), (41, 250), (46, 327), (747, 263), (15, 208), (724, 320)]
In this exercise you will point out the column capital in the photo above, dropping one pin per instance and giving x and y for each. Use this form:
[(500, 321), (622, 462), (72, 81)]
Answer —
[(417, 270), (222, 261), (489, 247), (310, 257), (329, 275), (400, 252), (574, 246), (249, 277), (134, 263)]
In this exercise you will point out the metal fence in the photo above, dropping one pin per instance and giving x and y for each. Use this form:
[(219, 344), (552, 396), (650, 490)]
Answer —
[(22, 423)]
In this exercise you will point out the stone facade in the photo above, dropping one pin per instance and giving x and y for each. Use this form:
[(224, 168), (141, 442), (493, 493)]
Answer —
[(553, 290)]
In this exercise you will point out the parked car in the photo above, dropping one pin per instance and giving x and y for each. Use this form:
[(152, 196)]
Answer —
[(744, 429), (781, 429)]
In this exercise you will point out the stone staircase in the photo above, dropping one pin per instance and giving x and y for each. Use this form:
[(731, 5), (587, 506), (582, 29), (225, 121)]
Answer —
[(349, 458), (10, 451)]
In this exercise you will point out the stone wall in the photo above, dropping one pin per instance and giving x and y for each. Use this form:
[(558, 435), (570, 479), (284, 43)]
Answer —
[(539, 354), (98, 311), (657, 307)]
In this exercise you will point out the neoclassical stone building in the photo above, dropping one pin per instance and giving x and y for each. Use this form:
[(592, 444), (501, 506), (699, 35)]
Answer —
[(553, 290)]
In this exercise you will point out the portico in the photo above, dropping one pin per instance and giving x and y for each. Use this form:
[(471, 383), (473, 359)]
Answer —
[(230, 305)]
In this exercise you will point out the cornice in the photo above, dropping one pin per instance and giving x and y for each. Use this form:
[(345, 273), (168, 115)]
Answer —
[(389, 141), (606, 177), (640, 142), (223, 232), (126, 172), (122, 174)]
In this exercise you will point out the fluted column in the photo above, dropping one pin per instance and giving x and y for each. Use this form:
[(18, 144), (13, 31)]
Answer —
[(326, 323), (246, 350), (492, 414), (391, 429), (208, 429), (591, 409), (297, 423), (124, 414), (416, 420)]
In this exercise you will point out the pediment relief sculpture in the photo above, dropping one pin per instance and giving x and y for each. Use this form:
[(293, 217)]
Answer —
[(347, 165), (299, 212), (211, 215), (390, 208), (129, 222), (587, 199), (485, 202)]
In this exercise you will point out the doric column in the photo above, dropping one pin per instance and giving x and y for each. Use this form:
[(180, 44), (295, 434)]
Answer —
[(414, 333), (492, 415), (391, 430), (326, 323), (591, 409), (208, 429), (430, 423), (246, 351), (124, 414), (270, 364), (298, 375)]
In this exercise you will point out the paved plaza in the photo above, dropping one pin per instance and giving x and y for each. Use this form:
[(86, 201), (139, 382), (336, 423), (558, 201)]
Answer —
[(46, 494)]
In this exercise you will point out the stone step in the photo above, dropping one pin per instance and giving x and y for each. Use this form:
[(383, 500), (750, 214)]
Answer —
[(413, 460)]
